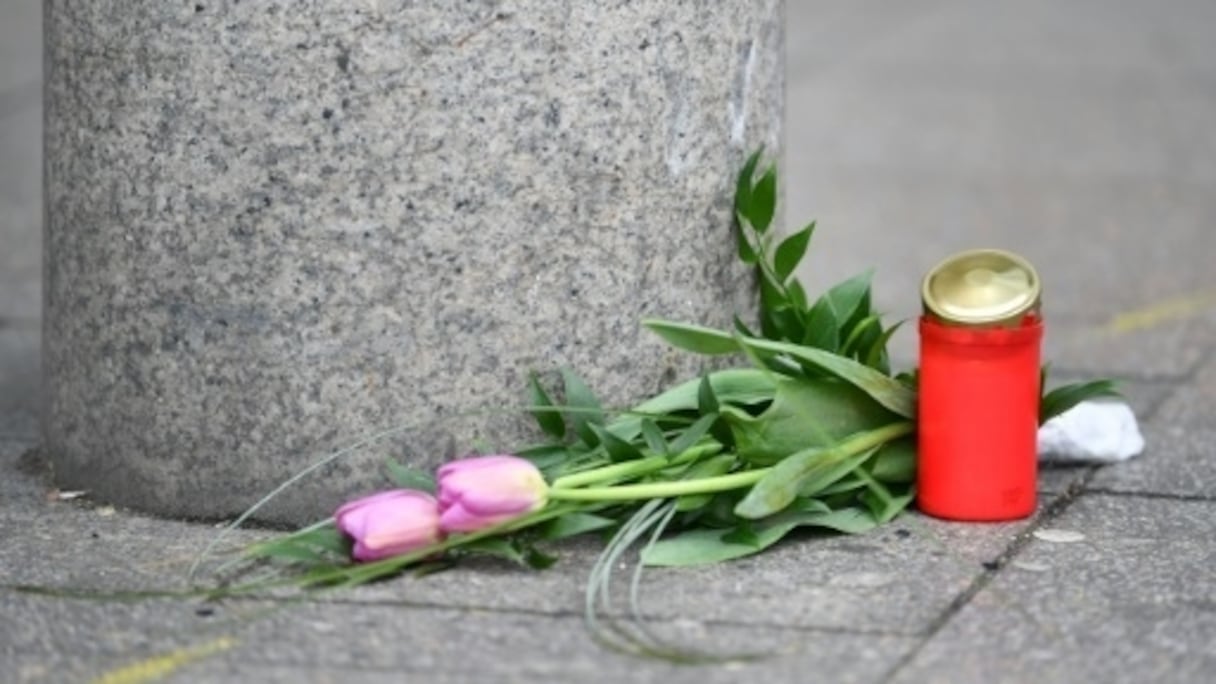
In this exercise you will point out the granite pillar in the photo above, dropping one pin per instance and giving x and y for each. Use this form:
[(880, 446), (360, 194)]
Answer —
[(274, 227)]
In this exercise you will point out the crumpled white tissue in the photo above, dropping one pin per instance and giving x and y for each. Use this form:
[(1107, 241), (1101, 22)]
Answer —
[(1091, 432)]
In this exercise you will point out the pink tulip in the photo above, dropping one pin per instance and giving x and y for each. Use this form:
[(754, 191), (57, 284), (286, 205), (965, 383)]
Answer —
[(475, 493), (390, 523)]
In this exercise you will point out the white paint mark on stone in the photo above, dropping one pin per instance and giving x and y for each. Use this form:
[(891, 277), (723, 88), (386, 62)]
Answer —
[(1030, 566), (862, 579), (1058, 536), (738, 103), (678, 132)]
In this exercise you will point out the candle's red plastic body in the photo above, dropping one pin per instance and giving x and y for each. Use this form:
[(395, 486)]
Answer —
[(977, 420)]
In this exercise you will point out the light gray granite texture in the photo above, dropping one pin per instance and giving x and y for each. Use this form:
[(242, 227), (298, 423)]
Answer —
[(274, 228)]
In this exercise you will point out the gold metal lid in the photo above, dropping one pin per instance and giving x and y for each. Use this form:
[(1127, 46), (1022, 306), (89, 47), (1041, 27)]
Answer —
[(981, 287)]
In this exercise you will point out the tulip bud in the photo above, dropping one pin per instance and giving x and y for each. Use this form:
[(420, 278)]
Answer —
[(390, 523), (475, 493)]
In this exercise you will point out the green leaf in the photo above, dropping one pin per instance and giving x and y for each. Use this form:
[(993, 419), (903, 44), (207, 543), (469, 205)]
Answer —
[(847, 483), (743, 244), (790, 252), (857, 334), (536, 559), (783, 322), (743, 184), (579, 396), (321, 546), (704, 546), (763, 201), (743, 534), (797, 295), (805, 412), (822, 328), (882, 388), (849, 297), (546, 457), (804, 473), (706, 401), (895, 462), (693, 338), (742, 328), (512, 550), (549, 420), (406, 477), (876, 356), (1065, 397), (498, 547), (693, 433), (618, 449), (573, 524), (655, 441), (736, 386), (883, 505)]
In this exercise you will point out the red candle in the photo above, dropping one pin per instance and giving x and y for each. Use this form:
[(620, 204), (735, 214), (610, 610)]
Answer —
[(978, 395)]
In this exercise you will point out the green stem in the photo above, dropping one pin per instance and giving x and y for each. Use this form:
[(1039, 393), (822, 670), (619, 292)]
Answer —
[(661, 490), (707, 485), (629, 469)]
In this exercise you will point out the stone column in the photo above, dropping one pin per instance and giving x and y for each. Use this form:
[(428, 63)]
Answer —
[(277, 227)]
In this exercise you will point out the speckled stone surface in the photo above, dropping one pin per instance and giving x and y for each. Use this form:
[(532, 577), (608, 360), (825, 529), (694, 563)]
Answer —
[(276, 227)]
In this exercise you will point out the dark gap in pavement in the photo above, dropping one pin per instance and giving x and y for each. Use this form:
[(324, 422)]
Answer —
[(1050, 512)]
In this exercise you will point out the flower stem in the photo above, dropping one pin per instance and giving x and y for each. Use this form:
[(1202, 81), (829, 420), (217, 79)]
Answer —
[(642, 466), (707, 485), (661, 490)]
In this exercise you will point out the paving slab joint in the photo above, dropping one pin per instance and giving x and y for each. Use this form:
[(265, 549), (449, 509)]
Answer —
[(992, 568)]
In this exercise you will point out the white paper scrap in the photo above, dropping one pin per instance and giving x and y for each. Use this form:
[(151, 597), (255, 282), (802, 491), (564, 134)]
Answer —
[(1091, 432)]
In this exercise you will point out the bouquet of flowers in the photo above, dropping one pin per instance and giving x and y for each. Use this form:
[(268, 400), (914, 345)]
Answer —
[(815, 432)]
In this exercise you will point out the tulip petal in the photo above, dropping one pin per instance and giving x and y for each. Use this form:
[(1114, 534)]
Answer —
[(389, 523), (478, 492)]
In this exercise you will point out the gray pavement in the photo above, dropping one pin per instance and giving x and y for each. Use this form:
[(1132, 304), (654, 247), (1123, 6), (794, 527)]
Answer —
[(1077, 133)]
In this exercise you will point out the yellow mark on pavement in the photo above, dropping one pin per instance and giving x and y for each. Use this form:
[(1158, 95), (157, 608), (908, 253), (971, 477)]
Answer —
[(161, 665), (1164, 311)]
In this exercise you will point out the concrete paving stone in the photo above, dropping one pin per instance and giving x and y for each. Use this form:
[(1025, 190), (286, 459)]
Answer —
[(896, 579), (63, 640), (21, 213), (20, 43), (1168, 350), (53, 639), (22, 475), (1032, 127), (76, 545), (913, 125), (825, 37), (1088, 42), (1178, 461), (19, 382), (1180, 456), (1087, 239), (20, 98), (1057, 479), (461, 646), (1194, 403), (1135, 601)]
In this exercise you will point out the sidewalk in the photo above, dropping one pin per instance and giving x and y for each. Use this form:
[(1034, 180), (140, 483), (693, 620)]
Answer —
[(1079, 134)]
